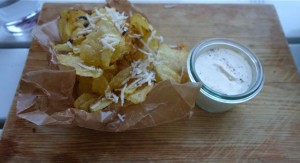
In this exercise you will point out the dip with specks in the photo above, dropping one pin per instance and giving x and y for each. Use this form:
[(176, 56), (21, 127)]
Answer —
[(224, 70)]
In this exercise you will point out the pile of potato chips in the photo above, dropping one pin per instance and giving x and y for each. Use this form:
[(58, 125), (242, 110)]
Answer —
[(118, 58)]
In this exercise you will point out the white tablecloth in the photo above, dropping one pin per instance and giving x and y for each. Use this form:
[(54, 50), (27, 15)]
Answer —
[(12, 63)]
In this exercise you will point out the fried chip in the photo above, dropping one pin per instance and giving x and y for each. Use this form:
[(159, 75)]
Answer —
[(139, 95), (118, 79), (80, 68), (99, 85), (69, 21), (63, 48), (84, 85), (99, 105), (84, 101), (172, 63), (164, 72)]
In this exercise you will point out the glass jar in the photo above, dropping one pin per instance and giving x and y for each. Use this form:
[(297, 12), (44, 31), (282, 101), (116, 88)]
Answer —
[(211, 100), (19, 16)]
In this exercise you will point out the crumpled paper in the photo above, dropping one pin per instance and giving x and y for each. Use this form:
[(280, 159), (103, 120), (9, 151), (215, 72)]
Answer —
[(45, 97)]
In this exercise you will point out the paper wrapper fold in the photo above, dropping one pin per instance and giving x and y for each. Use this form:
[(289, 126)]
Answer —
[(45, 97)]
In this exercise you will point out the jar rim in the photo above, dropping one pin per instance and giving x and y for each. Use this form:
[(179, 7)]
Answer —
[(259, 74)]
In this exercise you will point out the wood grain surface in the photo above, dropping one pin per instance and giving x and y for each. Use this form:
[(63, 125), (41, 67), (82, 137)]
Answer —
[(265, 129)]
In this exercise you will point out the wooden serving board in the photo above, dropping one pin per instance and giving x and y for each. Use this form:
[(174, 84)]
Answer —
[(265, 129)]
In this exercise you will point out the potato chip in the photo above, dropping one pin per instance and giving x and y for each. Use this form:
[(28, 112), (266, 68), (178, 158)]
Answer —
[(149, 37), (117, 81), (89, 55), (80, 68), (140, 23), (100, 104), (172, 63), (84, 101), (108, 75), (69, 21), (63, 48), (99, 85), (139, 95), (84, 85), (166, 73)]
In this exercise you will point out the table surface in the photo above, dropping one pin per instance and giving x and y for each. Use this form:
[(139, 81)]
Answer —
[(266, 128)]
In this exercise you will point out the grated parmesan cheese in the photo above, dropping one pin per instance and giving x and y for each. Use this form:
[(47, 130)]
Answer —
[(141, 74), (160, 38), (70, 44), (135, 36), (146, 46), (91, 21), (144, 52), (150, 27), (76, 50), (84, 32), (122, 94), (96, 105), (109, 41), (151, 37), (116, 17), (91, 68), (102, 16), (111, 96)]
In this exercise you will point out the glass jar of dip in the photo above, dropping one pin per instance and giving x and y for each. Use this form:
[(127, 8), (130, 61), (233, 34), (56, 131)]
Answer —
[(229, 72)]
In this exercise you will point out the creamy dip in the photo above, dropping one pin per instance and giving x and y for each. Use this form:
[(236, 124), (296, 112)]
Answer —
[(224, 70)]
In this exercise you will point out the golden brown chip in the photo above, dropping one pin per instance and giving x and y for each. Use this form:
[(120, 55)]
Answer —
[(118, 79), (139, 95), (100, 104), (84, 101), (166, 73), (100, 85), (140, 23), (63, 48), (80, 67), (173, 63), (84, 85), (69, 21)]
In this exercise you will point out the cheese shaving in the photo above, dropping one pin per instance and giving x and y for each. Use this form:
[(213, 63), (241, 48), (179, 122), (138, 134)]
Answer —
[(117, 18), (109, 41), (91, 21), (146, 46), (160, 38), (122, 94), (135, 36), (70, 44), (76, 50), (84, 32), (111, 96), (96, 105), (144, 52), (150, 27), (151, 37), (141, 74), (91, 68), (101, 15)]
